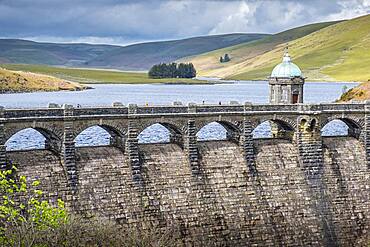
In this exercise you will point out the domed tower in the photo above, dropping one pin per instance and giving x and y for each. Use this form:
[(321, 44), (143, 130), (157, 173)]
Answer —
[(286, 82)]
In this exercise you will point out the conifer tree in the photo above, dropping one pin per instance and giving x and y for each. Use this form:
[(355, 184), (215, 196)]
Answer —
[(227, 58), (172, 70)]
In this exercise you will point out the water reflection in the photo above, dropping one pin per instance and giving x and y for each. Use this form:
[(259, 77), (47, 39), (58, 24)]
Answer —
[(26, 139), (335, 128), (212, 131), (155, 133), (93, 136)]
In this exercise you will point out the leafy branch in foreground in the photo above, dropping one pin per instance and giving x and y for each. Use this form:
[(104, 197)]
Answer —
[(27, 220), (22, 210)]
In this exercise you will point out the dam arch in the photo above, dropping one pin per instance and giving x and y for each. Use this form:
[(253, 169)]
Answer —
[(45, 139), (228, 131), (160, 132), (352, 127), (273, 128), (107, 135)]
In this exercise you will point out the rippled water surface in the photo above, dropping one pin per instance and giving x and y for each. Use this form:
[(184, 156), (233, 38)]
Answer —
[(256, 92)]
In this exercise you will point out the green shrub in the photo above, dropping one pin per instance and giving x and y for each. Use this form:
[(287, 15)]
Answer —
[(23, 211), (27, 220), (104, 233)]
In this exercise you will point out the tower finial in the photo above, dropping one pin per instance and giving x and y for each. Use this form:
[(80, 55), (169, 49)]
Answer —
[(286, 57)]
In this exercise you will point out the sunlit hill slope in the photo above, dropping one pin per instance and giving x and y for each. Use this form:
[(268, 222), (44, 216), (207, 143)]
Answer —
[(18, 81), (328, 51)]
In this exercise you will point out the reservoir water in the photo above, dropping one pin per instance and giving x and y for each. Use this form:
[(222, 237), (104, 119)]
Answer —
[(162, 94)]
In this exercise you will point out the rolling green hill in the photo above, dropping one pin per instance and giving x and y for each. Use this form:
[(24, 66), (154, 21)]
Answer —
[(143, 56), (30, 52), (337, 52), (208, 64), (133, 57)]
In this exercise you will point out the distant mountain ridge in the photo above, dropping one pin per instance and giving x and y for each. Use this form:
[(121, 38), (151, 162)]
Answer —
[(133, 57), (31, 52), (329, 51), (143, 56)]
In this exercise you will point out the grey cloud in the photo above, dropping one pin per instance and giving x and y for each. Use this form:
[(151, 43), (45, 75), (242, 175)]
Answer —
[(128, 21)]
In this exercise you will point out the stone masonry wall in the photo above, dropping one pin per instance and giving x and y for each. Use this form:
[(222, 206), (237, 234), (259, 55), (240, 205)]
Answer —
[(225, 204)]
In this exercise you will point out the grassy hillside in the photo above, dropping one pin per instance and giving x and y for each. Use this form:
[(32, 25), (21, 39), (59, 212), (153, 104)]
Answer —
[(87, 76), (29, 52), (134, 57), (208, 64), (358, 93), (143, 56), (18, 81), (338, 52)]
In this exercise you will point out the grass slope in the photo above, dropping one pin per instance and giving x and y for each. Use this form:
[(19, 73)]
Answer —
[(88, 76), (143, 56), (338, 52), (358, 93), (29, 52), (133, 57), (208, 64), (18, 81)]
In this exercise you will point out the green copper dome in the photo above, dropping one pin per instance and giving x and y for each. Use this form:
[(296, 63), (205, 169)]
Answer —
[(286, 68)]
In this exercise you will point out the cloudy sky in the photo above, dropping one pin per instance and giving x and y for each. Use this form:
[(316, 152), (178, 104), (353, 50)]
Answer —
[(129, 21)]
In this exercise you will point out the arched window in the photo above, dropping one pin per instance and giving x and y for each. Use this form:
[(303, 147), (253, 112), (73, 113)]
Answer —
[(26, 139), (335, 128), (93, 136), (155, 133)]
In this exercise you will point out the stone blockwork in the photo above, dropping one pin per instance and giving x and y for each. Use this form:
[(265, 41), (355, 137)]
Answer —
[(225, 204), (45, 166), (296, 189)]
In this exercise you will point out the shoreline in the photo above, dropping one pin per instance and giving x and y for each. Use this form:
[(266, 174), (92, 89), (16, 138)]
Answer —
[(200, 81), (213, 79), (11, 91)]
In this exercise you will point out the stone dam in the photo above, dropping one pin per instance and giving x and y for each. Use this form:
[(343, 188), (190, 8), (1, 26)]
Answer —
[(297, 188)]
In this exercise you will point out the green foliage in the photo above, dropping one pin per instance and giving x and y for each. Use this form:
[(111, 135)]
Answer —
[(344, 89), (172, 70), (225, 59), (22, 209), (26, 220), (98, 233)]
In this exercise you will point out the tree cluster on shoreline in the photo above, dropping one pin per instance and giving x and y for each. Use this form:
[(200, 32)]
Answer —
[(172, 70)]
